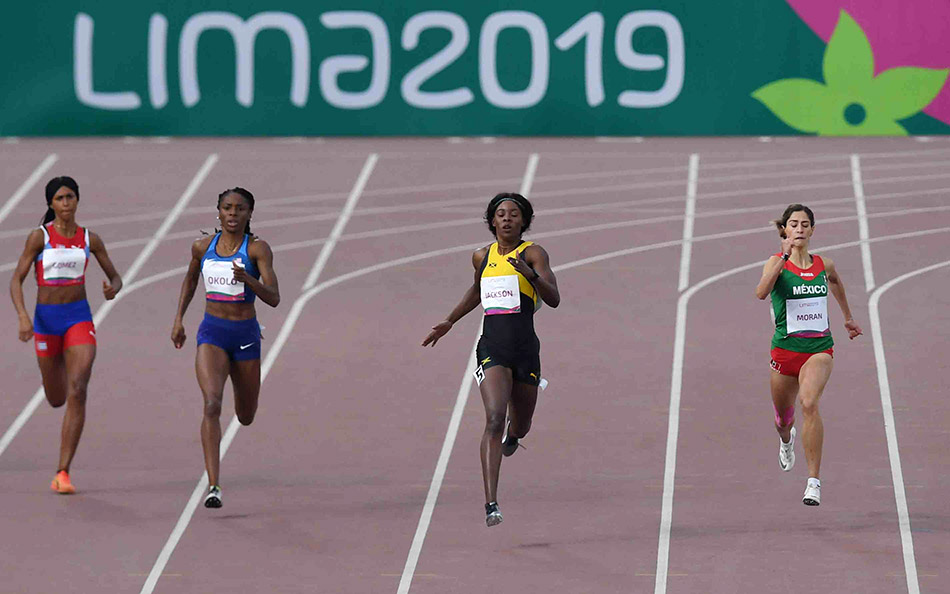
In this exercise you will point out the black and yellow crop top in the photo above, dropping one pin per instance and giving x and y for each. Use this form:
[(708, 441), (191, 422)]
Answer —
[(509, 300)]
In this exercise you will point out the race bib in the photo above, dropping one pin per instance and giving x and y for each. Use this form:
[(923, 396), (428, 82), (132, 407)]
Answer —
[(63, 263), (220, 284), (500, 295), (807, 317)]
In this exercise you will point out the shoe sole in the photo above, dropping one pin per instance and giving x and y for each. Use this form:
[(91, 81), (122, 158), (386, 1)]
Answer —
[(213, 503), (811, 502), (508, 450), (493, 520)]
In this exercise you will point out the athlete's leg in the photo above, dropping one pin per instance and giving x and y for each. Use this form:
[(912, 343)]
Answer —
[(784, 391), (496, 392), (246, 381), (53, 372), (524, 398), (812, 378), (78, 365), (212, 366)]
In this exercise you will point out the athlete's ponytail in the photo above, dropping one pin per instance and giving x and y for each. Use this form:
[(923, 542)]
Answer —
[(53, 186), (244, 194)]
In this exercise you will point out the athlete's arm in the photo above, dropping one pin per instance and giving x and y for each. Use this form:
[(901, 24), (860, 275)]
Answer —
[(266, 288), (772, 270), (837, 289), (188, 286), (98, 248), (32, 249), (538, 273), (469, 301)]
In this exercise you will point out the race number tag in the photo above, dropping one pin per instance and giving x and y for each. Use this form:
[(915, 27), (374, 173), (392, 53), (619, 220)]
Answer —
[(479, 375), (63, 263), (500, 295), (807, 317), (220, 284)]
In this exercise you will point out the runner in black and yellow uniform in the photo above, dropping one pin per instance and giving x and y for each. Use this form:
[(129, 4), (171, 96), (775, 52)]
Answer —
[(512, 277), (802, 351)]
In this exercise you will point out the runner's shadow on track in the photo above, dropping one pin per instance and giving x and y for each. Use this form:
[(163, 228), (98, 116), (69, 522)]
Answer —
[(217, 517)]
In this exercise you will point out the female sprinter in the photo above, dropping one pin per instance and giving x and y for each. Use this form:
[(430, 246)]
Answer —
[(62, 328), (237, 267), (510, 276), (802, 351)]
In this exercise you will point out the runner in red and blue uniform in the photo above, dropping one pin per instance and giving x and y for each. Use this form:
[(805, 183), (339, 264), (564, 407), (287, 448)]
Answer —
[(802, 347), (62, 329), (237, 267)]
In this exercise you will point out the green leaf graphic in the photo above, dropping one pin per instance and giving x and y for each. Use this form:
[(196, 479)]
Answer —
[(902, 92), (799, 102), (852, 102), (848, 64)]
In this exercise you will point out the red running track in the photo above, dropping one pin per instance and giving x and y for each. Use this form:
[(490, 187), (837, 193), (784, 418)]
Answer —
[(324, 492)]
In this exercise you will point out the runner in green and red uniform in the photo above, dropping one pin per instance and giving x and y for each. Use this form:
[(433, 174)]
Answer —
[(802, 352)]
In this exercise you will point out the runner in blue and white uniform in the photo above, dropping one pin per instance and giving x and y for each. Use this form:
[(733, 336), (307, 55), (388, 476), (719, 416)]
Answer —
[(237, 267)]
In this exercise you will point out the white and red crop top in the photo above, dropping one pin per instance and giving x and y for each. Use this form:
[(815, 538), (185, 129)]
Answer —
[(63, 260)]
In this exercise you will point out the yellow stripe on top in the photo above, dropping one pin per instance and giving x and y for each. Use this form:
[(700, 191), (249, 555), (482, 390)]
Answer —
[(498, 265)]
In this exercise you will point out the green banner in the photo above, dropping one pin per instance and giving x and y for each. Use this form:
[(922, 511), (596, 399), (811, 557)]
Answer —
[(643, 67)]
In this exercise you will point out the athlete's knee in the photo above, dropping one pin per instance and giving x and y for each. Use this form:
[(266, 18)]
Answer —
[(810, 406), (495, 423), (76, 392), (522, 429), (245, 417), (212, 408), (784, 417)]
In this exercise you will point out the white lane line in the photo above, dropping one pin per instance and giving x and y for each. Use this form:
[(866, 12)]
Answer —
[(890, 426), (688, 220), (676, 384), (432, 496), (863, 231), (128, 277), (185, 518), (27, 185), (428, 508), (528, 179), (342, 220)]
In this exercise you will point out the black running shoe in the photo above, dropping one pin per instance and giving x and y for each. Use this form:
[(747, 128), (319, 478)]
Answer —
[(509, 446), (213, 498), (492, 515)]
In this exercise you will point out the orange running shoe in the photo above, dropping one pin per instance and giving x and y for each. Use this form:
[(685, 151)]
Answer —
[(61, 483)]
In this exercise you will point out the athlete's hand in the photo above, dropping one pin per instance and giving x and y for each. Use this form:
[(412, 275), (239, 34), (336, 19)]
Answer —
[(26, 329), (521, 265), (109, 291), (438, 331), (240, 275), (178, 335), (787, 243), (854, 330)]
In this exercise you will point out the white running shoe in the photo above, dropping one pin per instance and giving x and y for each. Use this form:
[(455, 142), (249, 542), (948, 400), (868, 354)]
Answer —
[(786, 452), (213, 498), (492, 514), (812, 494)]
